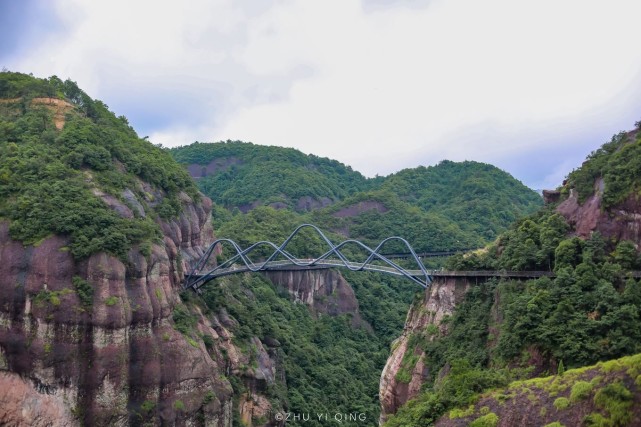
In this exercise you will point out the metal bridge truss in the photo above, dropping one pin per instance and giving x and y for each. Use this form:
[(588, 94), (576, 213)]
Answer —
[(332, 258)]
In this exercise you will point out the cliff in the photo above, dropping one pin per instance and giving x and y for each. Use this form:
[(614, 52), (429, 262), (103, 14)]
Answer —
[(603, 194), (619, 222), (324, 291), (117, 359), (97, 227), (405, 370)]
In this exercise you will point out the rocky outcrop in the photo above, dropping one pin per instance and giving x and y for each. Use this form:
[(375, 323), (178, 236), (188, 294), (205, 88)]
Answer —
[(216, 165), (308, 203), (115, 359), (405, 371), (22, 404), (359, 208), (258, 367), (621, 222), (324, 291), (551, 196)]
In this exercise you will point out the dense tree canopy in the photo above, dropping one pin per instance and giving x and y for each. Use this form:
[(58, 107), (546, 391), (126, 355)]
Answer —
[(50, 178), (589, 312)]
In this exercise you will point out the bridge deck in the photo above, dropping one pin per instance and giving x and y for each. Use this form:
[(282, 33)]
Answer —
[(199, 280)]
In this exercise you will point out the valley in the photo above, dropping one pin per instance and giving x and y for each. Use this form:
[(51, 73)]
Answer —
[(100, 229)]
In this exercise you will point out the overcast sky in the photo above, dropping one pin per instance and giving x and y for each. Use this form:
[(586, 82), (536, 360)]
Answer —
[(381, 85)]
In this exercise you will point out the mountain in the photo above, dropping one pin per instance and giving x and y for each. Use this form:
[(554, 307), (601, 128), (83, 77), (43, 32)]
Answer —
[(447, 206), (264, 193), (97, 228), (245, 175), (480, 198), (472, 336)]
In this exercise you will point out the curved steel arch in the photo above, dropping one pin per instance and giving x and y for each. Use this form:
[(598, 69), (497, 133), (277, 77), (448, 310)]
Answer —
[(195, 279)]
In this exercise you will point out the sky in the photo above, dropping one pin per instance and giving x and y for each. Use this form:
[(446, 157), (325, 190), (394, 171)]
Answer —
[(381, 85)]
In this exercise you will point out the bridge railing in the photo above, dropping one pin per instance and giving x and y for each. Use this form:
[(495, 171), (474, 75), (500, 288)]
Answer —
[(332, 257)]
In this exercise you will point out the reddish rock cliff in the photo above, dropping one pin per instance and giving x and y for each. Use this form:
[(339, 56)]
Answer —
[(324, 291), (621, 222), (119, 360)]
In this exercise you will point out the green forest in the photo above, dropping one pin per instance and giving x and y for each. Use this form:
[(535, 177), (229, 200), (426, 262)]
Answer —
[(448, 206), (49, 177), (58, 181), (589, 312), (429, 206)]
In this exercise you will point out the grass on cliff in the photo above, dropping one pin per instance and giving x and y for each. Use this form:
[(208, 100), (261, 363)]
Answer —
[(606, 390)]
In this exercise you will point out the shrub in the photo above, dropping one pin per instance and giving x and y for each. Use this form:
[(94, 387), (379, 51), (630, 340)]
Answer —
[(561, 403), (84, 290), (580, 390), (112, 300), (209, 341), (184, 321), (209, 397), (461, 413), (147, 406), (489, 420), (617, 400), (179, 405)]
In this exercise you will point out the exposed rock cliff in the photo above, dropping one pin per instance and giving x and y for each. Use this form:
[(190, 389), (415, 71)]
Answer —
[(117, 360), (620, 222), (22, 404), (405, 372), (324, 291)]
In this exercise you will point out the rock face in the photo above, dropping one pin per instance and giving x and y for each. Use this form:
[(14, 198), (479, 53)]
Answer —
[(621, 222), (216, 165), (400, 383), (22, 404), (551, 196), (324, 291), (359, 208), (118, 360)]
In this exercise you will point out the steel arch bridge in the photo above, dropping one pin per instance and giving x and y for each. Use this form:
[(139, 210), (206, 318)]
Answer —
[(332, 258)]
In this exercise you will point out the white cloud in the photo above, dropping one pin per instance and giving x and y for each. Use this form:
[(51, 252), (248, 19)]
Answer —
[(379, 87)]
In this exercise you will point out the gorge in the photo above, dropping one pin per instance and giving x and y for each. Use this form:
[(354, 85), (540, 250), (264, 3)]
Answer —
[(99, 227)]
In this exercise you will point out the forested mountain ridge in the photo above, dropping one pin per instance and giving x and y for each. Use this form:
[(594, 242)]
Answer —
[(447, 206), (500, 331), (245, 175), (480, 198)]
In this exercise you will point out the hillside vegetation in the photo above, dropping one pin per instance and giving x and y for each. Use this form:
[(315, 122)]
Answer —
[(447, 206), (54, 181), (506, 330), (236, 173), (605, 394)]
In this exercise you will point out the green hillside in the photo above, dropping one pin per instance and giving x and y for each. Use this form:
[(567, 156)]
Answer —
[(506, 330), (51, 178), (604, 394), (447, 206), (237, 174), (478, 197)]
